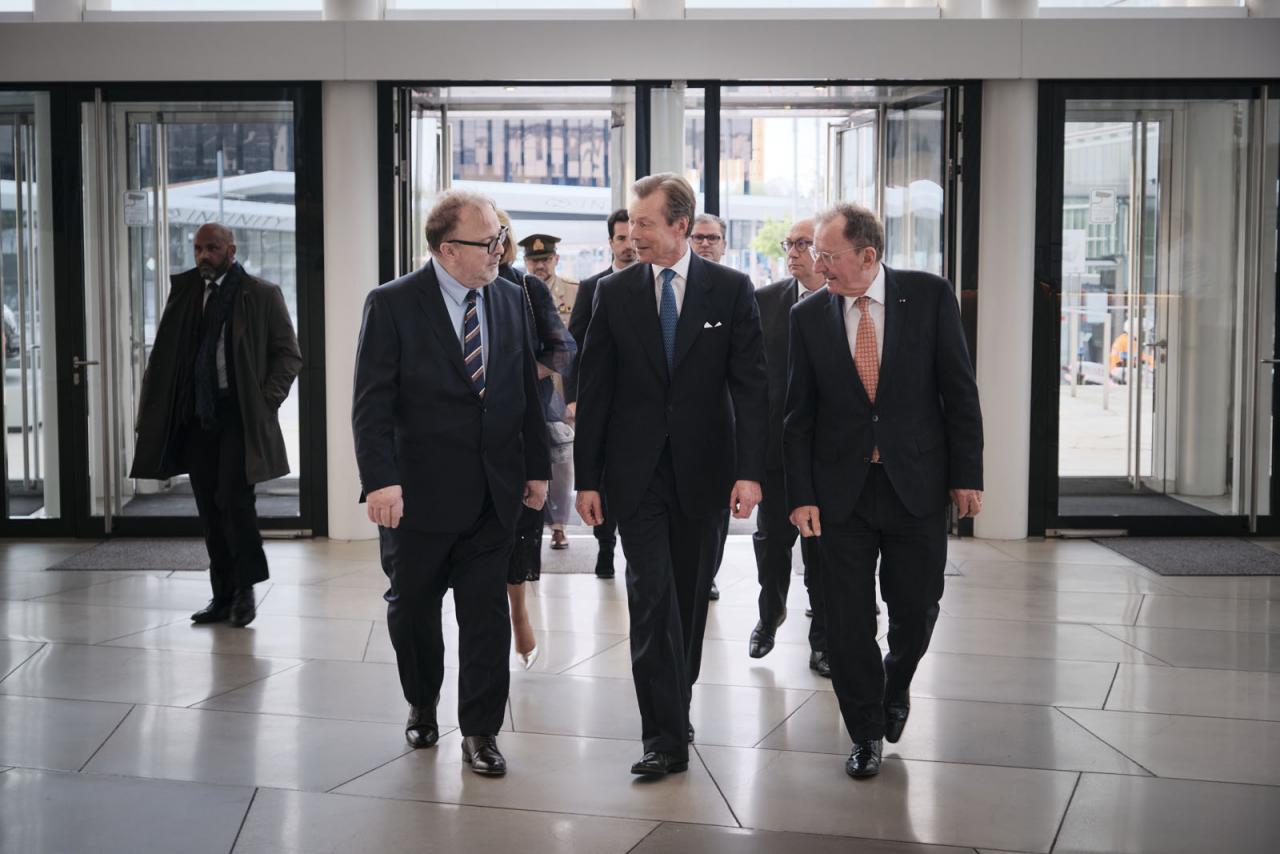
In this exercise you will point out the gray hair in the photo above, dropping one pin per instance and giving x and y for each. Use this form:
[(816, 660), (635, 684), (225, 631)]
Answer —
[(707, 219), (446, 212), (862, 228), (681, 200)]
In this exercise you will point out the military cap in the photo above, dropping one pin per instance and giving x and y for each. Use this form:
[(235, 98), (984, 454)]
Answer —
[(539, 245)]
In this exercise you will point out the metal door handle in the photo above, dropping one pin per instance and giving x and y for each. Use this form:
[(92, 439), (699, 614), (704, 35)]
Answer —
[(1269, 361), (77, 362)]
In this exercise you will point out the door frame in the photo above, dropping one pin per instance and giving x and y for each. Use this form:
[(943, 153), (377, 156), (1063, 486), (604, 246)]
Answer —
[(1042, 491), (66, 102)]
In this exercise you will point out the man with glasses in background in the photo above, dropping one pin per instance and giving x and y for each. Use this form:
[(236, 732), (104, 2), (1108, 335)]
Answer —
[(775, 535), (882, 428), (450, 439), (709, 238)]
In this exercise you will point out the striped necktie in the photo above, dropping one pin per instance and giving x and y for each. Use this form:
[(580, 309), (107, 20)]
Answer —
[(668, 316), (472, 352)]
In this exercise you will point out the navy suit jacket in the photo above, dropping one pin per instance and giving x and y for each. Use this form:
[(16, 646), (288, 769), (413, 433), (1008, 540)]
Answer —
[(713, 408), (579, 320), (926, 419), (775, 301), (419, 423)]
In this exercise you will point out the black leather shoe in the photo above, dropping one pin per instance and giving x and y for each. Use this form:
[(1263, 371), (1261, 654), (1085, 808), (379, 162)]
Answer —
[(243, 609), (657, 762), (762, 638), (214, 612), (481, 753), (604, 563), (864, 761), (818, 663), (715, 591), (421, 730), (897, 706), (808, 612), (691, 733)]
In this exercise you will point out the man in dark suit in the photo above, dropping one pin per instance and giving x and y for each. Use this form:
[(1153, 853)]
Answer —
[(775, 535), (450, 439), (225, 355), (882, 425), (672, 423), (624, 255)]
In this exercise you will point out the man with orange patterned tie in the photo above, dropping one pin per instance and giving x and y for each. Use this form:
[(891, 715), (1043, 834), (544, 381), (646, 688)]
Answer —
[(882, 426)]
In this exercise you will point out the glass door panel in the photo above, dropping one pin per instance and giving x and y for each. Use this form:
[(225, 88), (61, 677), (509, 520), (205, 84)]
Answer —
[(26, 290)]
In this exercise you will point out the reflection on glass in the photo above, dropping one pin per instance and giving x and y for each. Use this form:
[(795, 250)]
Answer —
[(26, 293), (547, 155), (1159, 415)]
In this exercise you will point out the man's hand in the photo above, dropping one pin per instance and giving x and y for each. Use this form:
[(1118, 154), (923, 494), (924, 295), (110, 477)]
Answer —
[(590, 508), (806, 519), (385, 506), (744, 498), (535, 493), (571, 409), (544, 371), (967, 501)]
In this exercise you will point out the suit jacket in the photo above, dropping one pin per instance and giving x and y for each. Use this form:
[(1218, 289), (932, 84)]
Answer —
[(629, 408), (419, 423), (579, 320), (265, 358), (775, 301), (926, 420)]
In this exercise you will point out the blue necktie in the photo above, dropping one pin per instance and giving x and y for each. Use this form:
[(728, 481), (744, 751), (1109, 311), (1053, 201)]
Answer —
[(472, 352), (668, 315)]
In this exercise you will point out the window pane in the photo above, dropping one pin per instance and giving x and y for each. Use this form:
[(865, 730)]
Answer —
[(215, 5)]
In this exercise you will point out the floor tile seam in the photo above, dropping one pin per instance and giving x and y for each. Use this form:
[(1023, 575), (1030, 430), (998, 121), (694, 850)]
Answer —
[(74, 587), (243, 820), (368, 641), (263, 678), (971, 584), (110, 735), (564, 671), (1142, 606), (953, 615), (1162, 669), (719, 788), (1103, 741), (1170, 714), (250, 713), (104, 641), (1196, 628), (657, 825), (25, 659), (1066, 809), (1101, 630), (593, 657), (1115, 674), (404, 751), (783, 722), (108, 644)]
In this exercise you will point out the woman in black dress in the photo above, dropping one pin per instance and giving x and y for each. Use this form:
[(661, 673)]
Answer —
[(554, 347)]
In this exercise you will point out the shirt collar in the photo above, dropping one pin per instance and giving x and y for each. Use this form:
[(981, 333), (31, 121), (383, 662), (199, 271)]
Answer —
[(876, 291), (802, 291), (452, 288), (681, 267)]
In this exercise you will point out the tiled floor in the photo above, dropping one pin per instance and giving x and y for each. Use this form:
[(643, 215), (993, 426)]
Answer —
[(1071, 702)]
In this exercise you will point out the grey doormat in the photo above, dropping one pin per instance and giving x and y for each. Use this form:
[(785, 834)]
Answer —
[(578, 559), (1196, 555), (185, 554)]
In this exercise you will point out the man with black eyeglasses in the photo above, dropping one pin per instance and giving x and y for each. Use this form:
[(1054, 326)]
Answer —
[(450, 439), (709, 238)]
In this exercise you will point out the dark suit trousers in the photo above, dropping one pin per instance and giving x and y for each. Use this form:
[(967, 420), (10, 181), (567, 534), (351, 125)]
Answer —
[(607, 531), (670, 560), (913, 555), (421, 567), (773, 540), (226, 503)]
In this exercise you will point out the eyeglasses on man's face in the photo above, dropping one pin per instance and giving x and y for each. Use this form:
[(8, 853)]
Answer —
[(802, 246), (828, 257), (706, 238), (491, 245)]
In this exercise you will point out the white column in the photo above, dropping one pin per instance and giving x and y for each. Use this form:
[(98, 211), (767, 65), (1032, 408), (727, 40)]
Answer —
[(350, 121), (1010, 8), (59, 11), (50, 451), (1264, 8), (666, 130), (1006, 281), (649, 10), (354, 10)]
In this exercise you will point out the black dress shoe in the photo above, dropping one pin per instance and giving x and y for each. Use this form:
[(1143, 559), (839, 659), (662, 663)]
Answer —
[(762, 638), (658, 762), (214, 612), (421, 730), (691, 733), (481, 753), (604, 563), (808, 612), (715, 591), (864, 761), (243, 609), (819, 664), (897, 706)]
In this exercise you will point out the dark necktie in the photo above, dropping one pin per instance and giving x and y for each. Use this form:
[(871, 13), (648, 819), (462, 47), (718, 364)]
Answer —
[(472, 352), (668, 315), (206, 370)]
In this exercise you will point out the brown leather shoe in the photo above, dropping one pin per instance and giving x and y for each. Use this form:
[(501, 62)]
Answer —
[(559, 541)]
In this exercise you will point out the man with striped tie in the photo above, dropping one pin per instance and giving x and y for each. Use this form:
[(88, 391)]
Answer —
[(450, 440)]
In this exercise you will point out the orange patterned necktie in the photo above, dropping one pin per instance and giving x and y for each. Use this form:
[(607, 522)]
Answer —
[(865, 357)]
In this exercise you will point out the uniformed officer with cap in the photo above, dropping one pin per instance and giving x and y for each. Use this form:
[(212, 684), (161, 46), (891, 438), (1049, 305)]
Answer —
[(540, 259)]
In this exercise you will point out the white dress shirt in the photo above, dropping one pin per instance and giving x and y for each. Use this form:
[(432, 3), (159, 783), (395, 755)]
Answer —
[(852, 316), (677, 284)]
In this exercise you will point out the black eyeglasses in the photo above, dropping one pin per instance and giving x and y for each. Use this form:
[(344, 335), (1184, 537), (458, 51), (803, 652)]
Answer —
[(491, 245), (800, 246), (705, 238)]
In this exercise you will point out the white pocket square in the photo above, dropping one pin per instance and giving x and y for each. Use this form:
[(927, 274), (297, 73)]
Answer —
[(710, 325)]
